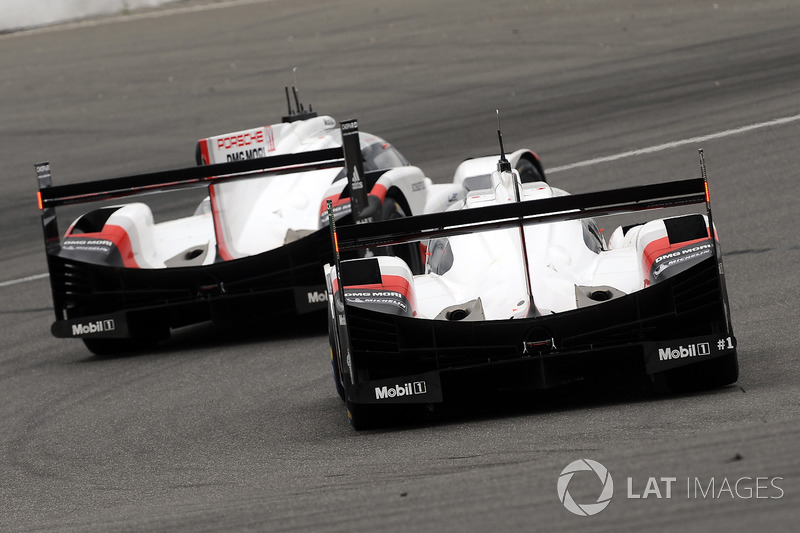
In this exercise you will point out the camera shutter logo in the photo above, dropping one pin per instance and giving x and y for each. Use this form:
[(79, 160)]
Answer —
[(585, 509)]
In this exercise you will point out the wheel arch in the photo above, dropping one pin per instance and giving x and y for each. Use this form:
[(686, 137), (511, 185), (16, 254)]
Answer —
[(397, 195), (529, 157)]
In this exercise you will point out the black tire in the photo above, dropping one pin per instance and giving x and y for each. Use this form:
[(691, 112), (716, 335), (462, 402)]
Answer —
[(528, 173), (362, 416), (410, 253), (337, 378), (711, 374)]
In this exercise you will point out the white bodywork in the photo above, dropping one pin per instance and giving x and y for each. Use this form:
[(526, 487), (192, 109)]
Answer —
[(492, 267), (244, 217), (569, 264)]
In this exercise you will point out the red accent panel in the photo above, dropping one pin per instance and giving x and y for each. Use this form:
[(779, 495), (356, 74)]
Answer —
[(388, 283), (651, 253), (379, 191), (121, 240), (219, 234), (659, 247), (204, 151), (335, 200)]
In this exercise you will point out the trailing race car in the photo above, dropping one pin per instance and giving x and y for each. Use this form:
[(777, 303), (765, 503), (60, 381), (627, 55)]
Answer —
[(253, 247), (522, 291)]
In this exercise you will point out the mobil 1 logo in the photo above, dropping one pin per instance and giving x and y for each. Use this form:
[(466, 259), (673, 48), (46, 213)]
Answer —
[(419, 388), (310, 298), (682, 352), (113, 326), (400, 390)]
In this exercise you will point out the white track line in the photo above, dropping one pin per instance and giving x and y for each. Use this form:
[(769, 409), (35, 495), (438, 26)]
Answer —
[(674, 144), (22, 280), (590, 162), (158, 13)]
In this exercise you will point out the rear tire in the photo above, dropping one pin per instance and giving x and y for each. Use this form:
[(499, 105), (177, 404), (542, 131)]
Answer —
[(337, 378), (528, 173), (410, 253), (362, 416)]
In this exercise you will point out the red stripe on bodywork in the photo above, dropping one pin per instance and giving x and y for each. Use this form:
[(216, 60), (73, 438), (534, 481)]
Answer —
[(335, 200), (378, 191), (659, 247), (219, 234), (119, 237), (204, 151)]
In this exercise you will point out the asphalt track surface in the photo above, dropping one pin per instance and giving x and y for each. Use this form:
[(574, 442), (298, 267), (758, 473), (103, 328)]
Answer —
[(242, 430)]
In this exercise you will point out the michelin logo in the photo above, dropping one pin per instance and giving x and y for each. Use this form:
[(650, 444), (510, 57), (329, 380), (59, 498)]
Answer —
[(704, 248), (681, 352), (93, 327), (675, 258), (407, 389)]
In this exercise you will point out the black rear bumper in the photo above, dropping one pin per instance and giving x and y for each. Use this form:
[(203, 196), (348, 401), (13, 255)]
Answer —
[(678, 322), (98, 301)]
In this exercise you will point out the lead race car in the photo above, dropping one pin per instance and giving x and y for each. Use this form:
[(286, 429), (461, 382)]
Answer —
[(254, 246), (522, 292)]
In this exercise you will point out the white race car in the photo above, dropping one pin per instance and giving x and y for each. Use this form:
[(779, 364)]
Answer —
[(522, 291), (254, 247)]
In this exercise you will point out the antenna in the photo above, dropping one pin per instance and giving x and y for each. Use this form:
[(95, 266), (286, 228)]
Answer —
[(704, 175), (294, 90), (297, 100), (288, 102), (300, 113), (503, 165)]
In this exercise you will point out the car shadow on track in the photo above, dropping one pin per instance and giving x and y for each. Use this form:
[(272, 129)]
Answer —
[(210, 335), (481, 408)]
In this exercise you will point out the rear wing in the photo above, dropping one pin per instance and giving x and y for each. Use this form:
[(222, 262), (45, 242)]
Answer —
[(183, 178), (49, 197), (560, 208)]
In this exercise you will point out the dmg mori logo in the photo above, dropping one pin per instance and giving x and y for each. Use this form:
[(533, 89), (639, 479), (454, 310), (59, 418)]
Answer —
[(93, 327), (585, 509)]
